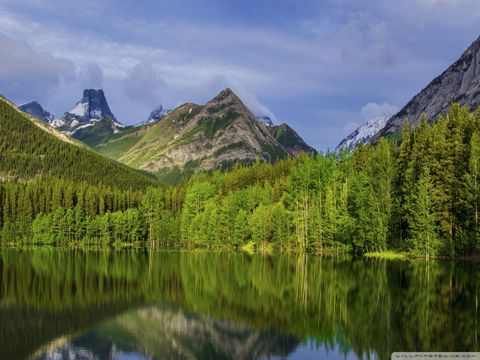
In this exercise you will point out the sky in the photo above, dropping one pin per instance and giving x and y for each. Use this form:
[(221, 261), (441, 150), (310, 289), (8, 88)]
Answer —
[(324, 67)]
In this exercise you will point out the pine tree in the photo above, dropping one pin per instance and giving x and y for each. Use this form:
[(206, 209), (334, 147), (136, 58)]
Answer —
[(423, 222), (241, 229), (471, 190)]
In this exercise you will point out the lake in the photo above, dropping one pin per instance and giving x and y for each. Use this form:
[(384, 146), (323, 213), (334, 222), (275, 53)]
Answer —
[(65, 304)]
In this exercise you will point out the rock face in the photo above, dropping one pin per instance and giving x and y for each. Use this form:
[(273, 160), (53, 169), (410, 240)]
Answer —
[(37, 111), (460, 83), (193, 137), (363, 134), (90, 120), (93, 106)]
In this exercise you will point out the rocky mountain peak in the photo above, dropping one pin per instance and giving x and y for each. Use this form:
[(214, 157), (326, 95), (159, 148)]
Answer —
[(90, 118), (227, 101), (157, 114), (36, 110), (92, 106)]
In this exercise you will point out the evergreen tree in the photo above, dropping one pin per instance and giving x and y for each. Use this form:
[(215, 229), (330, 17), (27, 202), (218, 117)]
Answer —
[(423, 222)]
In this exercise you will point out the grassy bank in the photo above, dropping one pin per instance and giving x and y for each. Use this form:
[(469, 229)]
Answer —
[(390, 255)]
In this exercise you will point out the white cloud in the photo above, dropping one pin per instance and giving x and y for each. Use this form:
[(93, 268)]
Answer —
[(252, 102), (373, 110)]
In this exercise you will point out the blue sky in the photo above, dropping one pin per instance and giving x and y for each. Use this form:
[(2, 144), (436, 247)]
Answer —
[(324, 67)]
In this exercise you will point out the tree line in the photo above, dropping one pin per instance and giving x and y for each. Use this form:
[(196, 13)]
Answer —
[(421, 195)]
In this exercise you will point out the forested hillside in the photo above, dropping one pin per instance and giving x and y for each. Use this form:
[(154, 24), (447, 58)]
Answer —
[(30, 148), (422, 197)]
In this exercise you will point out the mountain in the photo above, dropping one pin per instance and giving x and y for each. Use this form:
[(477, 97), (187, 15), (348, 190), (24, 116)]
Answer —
[(460, 83), (289, 139), (363, 133), (286, 136), (37, 111), (193, 137), (90, 120), (156, 115), (30, 148), (266, 120)]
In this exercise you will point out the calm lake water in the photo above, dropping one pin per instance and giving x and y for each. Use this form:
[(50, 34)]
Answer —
[(58, 304)]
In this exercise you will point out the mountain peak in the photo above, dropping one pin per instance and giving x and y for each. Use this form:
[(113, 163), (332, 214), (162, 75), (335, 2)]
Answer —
[(36, 110), (226, 95), (92, 107), (157, 114), (267, 120), (90, 118), (226, 101), (93, 93)]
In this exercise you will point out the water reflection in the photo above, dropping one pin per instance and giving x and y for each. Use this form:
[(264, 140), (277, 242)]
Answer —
[(161, 331), (138, 305)]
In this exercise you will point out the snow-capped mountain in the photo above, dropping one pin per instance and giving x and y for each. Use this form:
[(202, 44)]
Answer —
[(265, 119), (91, 109), (37, 111), (363, 133), (157, 114)]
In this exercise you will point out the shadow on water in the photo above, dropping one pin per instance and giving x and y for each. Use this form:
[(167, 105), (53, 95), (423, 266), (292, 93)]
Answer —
[(140, 305)]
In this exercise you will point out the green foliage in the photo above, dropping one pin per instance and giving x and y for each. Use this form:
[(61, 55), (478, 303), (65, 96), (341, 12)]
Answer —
[(28, 151), (422, 197), (369, 307)]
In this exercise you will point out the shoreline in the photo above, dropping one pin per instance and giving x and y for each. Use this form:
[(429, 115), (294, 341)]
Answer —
[(380, 255)]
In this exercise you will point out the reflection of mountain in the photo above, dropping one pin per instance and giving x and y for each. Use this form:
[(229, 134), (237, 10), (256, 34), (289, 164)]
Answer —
[(171, 333), (25, 330), (413, 306)]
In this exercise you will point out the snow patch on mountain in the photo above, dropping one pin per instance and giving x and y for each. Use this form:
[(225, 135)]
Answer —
[(91, 109), (157, 114), (80, 109), (265, 119), (363, 133)]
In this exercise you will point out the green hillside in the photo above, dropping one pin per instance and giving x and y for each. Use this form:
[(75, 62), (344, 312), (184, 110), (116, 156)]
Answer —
[(30, 148)]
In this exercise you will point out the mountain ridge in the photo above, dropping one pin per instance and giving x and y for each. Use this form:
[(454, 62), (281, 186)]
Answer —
[(459, 83)]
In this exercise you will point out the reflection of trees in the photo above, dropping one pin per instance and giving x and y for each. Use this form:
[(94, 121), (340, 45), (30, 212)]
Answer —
[(365, 305)]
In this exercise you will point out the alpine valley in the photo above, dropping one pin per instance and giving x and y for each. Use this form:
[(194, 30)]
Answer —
[(211, 230)]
